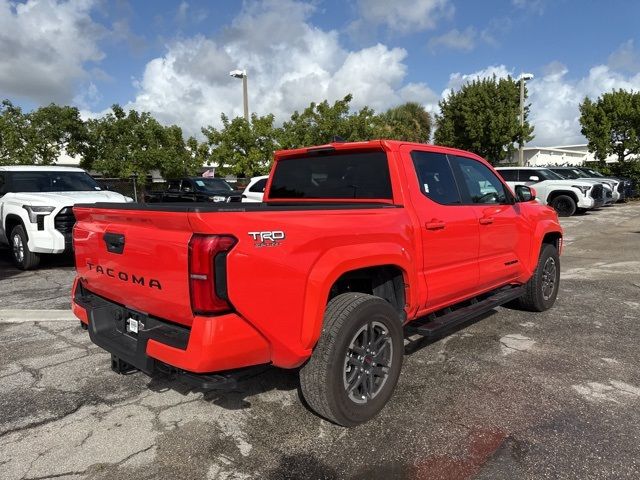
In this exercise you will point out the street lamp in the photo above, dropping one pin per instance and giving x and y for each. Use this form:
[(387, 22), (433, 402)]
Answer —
[(243, 75), (523, 77)]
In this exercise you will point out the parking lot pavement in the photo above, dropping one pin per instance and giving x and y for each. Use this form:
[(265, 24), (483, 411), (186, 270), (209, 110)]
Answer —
[(515, 395), (45, 288)]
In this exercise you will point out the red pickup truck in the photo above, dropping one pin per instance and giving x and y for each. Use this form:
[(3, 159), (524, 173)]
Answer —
[(356, 246)]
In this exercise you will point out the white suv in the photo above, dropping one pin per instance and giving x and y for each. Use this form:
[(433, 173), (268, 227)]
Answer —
[(565, 196), (255, 190), (36, 214)]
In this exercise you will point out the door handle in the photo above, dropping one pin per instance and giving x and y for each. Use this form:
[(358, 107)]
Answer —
[(435, 225), (486, 220)]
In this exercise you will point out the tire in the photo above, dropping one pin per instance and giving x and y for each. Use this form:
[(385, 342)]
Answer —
[(23, 258), (334, 381), (538, 297), (564, 205)]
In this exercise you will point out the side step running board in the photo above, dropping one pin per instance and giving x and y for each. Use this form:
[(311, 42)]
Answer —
[(435, 325)]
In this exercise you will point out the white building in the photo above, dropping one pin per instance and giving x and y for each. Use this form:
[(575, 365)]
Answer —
[(66, 160), (571, 155)]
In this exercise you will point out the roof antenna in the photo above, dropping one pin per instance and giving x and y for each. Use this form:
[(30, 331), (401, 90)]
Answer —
[(337, 139)]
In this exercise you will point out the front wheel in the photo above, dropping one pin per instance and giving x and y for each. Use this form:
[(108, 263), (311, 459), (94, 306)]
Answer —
[(24, 258), (564, 205), (542, 287), (356, 363)]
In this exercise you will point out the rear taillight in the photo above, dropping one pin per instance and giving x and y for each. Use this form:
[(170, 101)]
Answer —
[(208, 273)]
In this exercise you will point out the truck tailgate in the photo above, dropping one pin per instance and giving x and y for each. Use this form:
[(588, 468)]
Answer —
[(136, 258)]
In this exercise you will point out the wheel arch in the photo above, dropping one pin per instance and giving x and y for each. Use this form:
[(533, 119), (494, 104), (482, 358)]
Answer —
[(556, 193), (388, 266), (384, 281), (547, 235), (11, 221)]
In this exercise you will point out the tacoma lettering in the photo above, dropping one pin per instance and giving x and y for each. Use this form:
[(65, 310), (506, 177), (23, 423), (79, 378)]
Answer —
[(125, 276)]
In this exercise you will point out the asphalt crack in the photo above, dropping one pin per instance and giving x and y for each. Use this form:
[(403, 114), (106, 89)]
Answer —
[(41, 422)]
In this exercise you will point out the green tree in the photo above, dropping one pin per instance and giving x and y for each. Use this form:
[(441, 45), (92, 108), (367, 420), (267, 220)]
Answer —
[(14, 127), (122, 144), (241, 147), (39, 137), (409, 121), (612, 124), (320, 122), (483, 117)]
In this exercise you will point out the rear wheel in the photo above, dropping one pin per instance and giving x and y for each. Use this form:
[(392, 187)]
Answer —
[(356, 363), (564, 205), (542, 287), (22, 256)]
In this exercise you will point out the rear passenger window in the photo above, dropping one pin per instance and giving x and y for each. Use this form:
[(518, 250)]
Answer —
[(509, 175), (259, 186), (2, 186), (173, 185), (483, 186), (436, 178)]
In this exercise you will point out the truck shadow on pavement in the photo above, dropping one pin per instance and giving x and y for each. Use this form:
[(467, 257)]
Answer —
[(47, 262), (273, 378), (235, 398)]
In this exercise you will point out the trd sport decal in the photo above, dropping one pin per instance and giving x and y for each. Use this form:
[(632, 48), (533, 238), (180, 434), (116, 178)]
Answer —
[(267, 239)]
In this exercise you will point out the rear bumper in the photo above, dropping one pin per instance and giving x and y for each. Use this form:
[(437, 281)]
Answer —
[(211, 345)]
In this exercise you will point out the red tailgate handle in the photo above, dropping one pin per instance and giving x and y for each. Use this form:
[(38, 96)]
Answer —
[(435, 225), (486, 220)]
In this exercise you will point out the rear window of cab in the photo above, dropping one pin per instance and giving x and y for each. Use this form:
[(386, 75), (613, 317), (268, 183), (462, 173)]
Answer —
[(348, 175)]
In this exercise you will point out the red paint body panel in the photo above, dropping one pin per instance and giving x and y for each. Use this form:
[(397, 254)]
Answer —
[(278, 293)]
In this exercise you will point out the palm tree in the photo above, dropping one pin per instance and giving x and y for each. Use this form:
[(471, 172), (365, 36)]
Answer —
[(409, 121)]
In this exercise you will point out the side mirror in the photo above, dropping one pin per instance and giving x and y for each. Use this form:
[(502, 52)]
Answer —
[(524, 193), (534, 178), (187, 190)]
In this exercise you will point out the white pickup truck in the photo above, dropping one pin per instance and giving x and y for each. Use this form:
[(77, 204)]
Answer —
[(565, 196), (35, 208)]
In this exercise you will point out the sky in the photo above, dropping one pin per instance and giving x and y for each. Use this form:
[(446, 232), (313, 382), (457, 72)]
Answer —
[(172, 58)]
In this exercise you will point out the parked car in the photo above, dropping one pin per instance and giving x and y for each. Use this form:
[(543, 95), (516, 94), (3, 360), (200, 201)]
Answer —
[(355, 245), (565, 196), (255, 190), (626, 187), (195, 189), (36, 214), (573, 173)]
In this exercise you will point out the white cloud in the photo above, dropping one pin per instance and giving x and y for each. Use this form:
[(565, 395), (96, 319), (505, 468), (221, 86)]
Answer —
[(403, 16), (625, 58), (555, 99), (290, 63), (45, 45), (455, 39), (456, 80)]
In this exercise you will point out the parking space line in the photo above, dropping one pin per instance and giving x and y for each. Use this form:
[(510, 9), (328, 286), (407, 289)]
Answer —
[(25, 316)]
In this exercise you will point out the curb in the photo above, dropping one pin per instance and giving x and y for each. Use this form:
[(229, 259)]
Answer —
[(26, 316)]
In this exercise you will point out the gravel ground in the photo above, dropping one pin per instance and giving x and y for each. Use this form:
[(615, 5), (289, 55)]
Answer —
[(515, 395), (45, 288)]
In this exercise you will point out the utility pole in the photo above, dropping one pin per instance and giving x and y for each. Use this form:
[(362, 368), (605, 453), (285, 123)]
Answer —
[(523, 77), (245, 90)]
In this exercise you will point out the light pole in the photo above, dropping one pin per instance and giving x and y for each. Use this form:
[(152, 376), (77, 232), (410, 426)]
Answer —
[(245, 96), (523, 78)]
